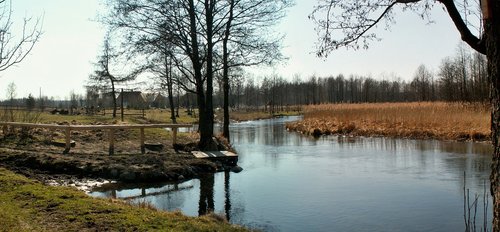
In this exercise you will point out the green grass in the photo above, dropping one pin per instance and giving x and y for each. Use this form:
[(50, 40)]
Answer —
[(27, 205)]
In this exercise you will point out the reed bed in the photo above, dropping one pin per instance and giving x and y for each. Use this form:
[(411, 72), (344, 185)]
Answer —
[(419, 120)]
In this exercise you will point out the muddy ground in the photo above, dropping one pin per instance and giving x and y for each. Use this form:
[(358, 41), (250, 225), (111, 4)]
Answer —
[(34, 155), (169, 166)]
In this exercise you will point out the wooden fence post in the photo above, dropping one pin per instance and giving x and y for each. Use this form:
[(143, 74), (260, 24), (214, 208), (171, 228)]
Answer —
[(111, 141), (68, 140), (121, 104), (111, 131), (174, 135), (143, 149)]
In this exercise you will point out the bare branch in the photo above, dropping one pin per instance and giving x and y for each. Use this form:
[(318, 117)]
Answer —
[(348, 24), (14, 48), (467, 36)]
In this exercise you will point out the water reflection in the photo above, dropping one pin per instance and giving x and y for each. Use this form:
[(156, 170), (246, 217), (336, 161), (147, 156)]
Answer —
[(164, 196), (170, 196), (292, 182), (227, 194), (427, 155), (206, 204)]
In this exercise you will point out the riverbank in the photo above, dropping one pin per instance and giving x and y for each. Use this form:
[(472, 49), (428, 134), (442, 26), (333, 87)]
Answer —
[(34, 154), (28, 205), (419, 120), (39, 150), (167, 166)]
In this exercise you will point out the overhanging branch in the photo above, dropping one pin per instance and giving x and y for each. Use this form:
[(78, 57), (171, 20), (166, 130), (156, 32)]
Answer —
[(467, 36)]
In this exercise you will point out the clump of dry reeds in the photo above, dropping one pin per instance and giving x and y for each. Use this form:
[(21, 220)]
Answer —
[(438, 120)]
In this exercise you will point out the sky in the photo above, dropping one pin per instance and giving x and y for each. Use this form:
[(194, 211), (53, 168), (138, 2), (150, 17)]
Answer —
[(72, 39)]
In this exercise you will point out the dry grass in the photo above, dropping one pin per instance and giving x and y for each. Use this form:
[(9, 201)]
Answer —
[(163, 116), (447, 121)]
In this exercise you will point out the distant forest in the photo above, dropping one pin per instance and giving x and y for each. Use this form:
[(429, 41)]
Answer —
[(461, 78)]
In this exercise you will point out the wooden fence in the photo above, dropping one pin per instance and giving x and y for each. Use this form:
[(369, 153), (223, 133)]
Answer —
[(111, 131)]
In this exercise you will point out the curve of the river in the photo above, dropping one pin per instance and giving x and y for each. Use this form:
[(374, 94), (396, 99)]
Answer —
[(293, 182)]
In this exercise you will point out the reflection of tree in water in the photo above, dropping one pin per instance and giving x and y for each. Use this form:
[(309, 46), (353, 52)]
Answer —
[(168, 197), (247, 136), (227, 195), (171, 200), (429, 155), (206, 203), (234, 208)]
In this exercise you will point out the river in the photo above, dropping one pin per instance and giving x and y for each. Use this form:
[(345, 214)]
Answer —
[(293, 182)]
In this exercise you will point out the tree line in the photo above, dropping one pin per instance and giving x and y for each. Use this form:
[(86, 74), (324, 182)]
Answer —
[(460, 78)]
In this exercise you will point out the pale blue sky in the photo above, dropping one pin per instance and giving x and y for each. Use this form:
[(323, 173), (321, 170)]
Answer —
[(62, 60)]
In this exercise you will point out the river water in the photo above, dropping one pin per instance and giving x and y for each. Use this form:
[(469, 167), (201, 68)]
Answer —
[(293, 182)]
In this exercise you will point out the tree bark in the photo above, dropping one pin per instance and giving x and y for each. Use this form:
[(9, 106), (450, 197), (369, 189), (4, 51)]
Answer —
[(206, 140), (205, 108), (170, 82), (492, 33), (114, 97), (225, 72)]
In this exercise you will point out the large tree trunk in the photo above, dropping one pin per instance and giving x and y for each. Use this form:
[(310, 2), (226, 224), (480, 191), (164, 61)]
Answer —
[(170, 83), (205, 107), (114, 98), (225, 72), (171, 103), (492, 32), (207, 122), (225, 129), (207, 142)]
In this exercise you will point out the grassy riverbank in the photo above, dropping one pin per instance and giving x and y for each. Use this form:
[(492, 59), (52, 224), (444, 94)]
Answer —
[(30, 206), (420, 120)]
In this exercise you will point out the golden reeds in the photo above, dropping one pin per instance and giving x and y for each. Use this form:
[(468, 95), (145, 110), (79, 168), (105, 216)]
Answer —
[(438, 120)]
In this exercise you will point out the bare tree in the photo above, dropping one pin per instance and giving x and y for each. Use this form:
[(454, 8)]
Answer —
[(162, 66), (14, 47), (447, 80), (348, 24), (11, 95), (103, 74), (11, 92), (246, 39), (194, 31), (423, 83), (189, 28)]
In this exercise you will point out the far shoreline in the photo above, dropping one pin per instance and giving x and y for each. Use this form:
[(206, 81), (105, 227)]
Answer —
[(419, 120)]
